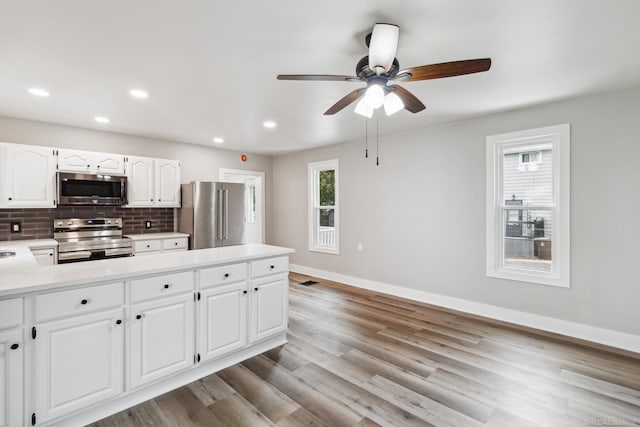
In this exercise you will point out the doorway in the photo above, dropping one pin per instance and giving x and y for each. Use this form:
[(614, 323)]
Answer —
[(254, 201)]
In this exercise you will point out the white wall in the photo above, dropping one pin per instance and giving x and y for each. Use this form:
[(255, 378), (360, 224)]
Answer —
[(197, 162), (421, 213)]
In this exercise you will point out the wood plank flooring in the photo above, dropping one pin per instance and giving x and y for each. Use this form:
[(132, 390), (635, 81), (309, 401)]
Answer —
[(358, 358)]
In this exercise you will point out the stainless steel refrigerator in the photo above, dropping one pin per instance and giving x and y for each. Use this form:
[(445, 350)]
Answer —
[(212, 213)]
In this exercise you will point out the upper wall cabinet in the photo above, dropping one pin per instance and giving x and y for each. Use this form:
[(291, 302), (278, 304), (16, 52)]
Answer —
[(90, 162), (28, 176), (153, 182)]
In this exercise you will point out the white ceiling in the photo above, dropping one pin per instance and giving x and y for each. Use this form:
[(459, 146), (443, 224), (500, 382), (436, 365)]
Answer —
[(210, 66)]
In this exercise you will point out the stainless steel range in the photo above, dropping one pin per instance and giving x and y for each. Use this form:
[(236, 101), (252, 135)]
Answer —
[(89, 239)]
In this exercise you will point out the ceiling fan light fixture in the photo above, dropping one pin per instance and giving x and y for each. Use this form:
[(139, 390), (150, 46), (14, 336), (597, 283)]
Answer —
[(363, 109), (374, 96), (383, 46), (392, 104)]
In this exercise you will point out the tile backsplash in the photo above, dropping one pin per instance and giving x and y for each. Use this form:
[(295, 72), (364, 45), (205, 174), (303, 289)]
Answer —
[(38, 223)]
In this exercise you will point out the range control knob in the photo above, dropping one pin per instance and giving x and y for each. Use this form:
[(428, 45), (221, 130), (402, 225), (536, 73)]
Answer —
[(69, 222)]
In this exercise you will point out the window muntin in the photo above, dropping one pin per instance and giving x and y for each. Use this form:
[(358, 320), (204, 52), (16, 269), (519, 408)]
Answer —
[(528, 206), (323, 207)]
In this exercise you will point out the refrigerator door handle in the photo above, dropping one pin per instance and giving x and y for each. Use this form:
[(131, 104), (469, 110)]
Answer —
[(226, 214), (220, 213)]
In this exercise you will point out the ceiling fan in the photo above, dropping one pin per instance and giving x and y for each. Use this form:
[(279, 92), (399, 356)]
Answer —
[(381, 67)]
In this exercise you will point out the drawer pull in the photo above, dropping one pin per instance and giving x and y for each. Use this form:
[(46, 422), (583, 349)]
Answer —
[(226, 275), (244, 292), (139, 316), (272, 267), (167, 285), (148, 246), (255, 289), (15, 346), (84, 302), (176, 243), (118, 322)]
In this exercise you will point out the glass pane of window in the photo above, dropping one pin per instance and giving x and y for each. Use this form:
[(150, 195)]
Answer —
[(251, 204), (527, 239), (528, 181), (327, 186), (326, 217)]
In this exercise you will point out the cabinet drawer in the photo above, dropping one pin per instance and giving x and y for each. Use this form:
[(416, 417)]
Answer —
[(177, 243), (11, 313), (147, 246), (161, 286), (78, 301), (222, 275), (269, 266)]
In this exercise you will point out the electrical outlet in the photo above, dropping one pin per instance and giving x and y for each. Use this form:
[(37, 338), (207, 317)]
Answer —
[(147, 224), (16, 227), (360, 247)]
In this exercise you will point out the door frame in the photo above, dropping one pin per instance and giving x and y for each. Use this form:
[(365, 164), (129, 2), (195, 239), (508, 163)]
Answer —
[(224, 172)]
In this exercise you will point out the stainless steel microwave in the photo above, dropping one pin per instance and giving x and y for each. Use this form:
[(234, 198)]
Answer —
[(91, 189)]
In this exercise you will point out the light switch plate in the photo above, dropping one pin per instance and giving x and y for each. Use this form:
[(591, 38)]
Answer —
[(147, 224), (16, 227)]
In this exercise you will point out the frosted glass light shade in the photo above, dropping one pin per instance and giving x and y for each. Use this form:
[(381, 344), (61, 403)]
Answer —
[(363, 110), (383, 45), (374, 96), (392, 103)]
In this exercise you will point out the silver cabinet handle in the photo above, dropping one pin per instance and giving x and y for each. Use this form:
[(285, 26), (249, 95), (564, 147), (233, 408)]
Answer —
[(226, 214), (220, 213)]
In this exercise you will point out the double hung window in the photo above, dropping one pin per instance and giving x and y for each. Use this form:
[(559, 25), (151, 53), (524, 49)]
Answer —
[(323, 207)]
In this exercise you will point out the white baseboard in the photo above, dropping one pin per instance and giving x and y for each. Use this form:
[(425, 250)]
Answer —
[(564, 327)]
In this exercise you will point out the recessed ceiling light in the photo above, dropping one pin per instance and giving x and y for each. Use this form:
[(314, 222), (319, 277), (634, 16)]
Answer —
[(218, 140), (38, 92), (138, 93), (269, 124), (100, 119)]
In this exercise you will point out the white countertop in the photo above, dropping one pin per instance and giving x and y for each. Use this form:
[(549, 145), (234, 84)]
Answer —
[(22, 260), (155, 236), (32, 244), (23, 279)]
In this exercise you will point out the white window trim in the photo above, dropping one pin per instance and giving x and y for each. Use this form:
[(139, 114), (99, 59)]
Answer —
[(312, 169), (497, 145)]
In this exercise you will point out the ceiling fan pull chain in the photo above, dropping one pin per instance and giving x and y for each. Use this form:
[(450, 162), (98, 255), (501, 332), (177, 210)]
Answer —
[(366, 139), (377, 143)]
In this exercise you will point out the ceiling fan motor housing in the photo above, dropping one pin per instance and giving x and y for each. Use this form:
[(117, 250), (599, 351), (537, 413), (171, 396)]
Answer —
[(365, 73)]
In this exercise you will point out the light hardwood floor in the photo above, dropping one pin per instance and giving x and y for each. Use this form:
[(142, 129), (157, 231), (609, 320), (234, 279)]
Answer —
[(358, 358)]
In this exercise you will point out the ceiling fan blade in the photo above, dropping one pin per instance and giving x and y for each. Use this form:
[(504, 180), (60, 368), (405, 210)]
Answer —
[(411, 103), (445, 69), (318, 77), (382, 46), (348, 99)]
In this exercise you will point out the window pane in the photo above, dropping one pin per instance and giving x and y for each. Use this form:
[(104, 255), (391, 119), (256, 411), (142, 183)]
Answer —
[(527, 239), (326, 218), (529, 180), (327, 188)]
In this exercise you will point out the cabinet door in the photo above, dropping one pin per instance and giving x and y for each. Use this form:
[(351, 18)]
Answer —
[(75, 161), (269, 304), (30, 176), (162, 338), (140, 181), (168, 183), (79, 362), (109, 163), (222, 320), (11, 378), (44, 256)]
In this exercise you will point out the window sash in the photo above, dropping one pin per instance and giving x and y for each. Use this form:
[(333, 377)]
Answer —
[(321, 238)]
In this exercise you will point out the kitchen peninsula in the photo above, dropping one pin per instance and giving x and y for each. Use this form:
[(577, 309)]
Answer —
[(86, 340)]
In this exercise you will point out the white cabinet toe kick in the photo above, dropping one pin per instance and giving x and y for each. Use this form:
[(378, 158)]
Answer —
[(74, 355)]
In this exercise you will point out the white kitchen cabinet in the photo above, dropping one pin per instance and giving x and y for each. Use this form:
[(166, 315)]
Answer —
[(29, 176), (269, 307), (45, 256), (78, 362), (153, 182), (167, 186), (222, 320), (161, 338), (90, 162), (150, 244), (11, 378), (140, 182)]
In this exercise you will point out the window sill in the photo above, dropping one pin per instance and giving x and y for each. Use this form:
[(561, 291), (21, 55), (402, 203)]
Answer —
[(324, 250), (520, 275)]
